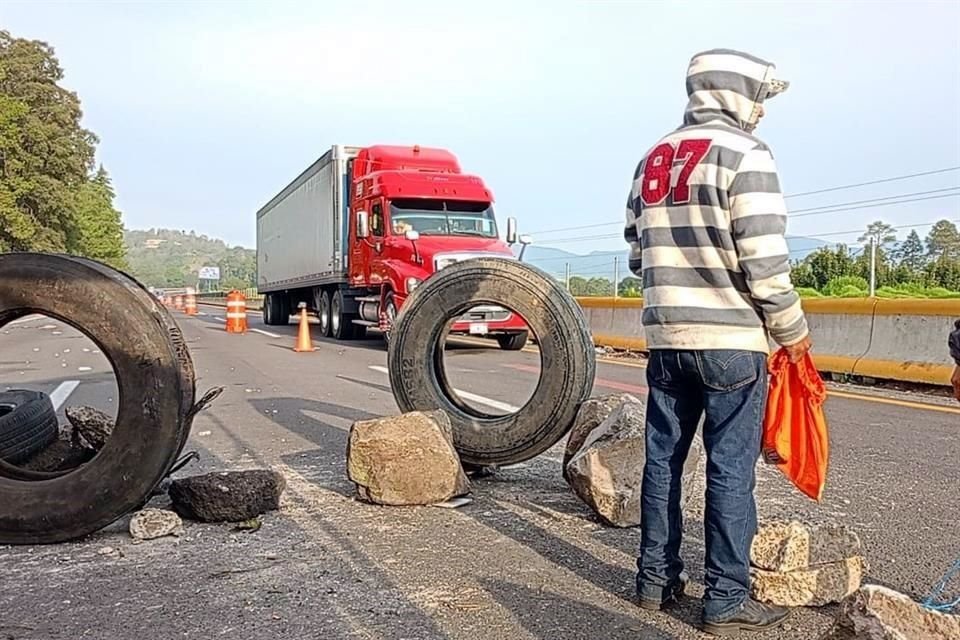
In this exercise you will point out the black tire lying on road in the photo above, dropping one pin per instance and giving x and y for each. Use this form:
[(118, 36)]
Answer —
[(28, 424), (152, 369), (568, 361)]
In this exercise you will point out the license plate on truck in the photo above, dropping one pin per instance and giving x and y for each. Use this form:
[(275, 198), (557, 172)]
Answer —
[(479, 328)]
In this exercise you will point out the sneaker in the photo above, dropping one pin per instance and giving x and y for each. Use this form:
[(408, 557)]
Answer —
[(752, 616), (671, 594)]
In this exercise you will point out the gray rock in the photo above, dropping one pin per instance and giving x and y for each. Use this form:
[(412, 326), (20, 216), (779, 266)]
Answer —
[(607, 471), (591, 415), (230, 496), (789, 546), (154, 523), (66, 452), (879, 613), (810, 587), (90, 424), (405, 460)]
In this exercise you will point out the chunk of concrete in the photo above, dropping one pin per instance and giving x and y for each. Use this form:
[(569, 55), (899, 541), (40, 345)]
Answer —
[(90, 424), (66, 452), (789, 546), (229, 496), (811, 587), (405, 460), (878, 613), (607, 471), (591, 415), (154, 523)]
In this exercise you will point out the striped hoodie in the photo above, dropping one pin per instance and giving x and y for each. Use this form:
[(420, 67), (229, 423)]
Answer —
[(706, 219)]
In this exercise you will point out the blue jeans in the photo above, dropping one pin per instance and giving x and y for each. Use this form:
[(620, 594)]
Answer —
[(728, 389)]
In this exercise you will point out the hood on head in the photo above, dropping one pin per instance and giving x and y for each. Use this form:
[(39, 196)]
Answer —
[(728, 85)]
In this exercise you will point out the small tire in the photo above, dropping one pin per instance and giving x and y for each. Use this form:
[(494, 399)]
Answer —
[(568, 361), (134, 333), (513, 341), (28, 424)]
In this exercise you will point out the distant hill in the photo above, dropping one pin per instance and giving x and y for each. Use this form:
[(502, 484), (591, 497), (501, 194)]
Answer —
[(599, 264), (170, 258)]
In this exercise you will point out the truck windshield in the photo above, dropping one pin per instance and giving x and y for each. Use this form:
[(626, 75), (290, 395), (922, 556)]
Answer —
[(443, 218)]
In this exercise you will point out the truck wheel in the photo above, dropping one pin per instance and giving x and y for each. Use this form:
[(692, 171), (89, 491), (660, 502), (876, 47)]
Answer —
[(568, 361), (268, 309), (341, 324), (324, 314), (154, 407), (513, 341), (28, 424), (390, 309)]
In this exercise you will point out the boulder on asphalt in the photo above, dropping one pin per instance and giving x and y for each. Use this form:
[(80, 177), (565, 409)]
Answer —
[(788, 546), (90, 424), (405, 460), (878, 613), (155, 523), (607, 471), (228, 496), (809, 587), (591, 415)]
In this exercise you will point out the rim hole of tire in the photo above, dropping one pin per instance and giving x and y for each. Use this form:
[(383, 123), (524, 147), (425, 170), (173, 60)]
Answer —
[(50, 368), (489, 367)]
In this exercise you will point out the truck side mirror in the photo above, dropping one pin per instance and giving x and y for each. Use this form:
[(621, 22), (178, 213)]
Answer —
[(525, 240), (511, 230), (412, 235), (363, 225)]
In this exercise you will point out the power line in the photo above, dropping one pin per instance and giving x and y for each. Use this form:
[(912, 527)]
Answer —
[(813, 211), (865, 184), (610, 236), (804, 193)]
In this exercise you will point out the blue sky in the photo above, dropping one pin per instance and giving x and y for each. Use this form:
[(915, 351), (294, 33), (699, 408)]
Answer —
[(206, 109)]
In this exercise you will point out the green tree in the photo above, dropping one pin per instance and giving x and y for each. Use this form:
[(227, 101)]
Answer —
[(630, 287), (45, 155), (100, 232), (911, 253), (943, 241), (828, 263), (943, 272), (880, 232)]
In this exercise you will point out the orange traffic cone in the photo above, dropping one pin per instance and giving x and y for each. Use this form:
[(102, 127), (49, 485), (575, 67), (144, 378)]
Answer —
[(190, 303), (236, 312), (178, 303), (303, 338)]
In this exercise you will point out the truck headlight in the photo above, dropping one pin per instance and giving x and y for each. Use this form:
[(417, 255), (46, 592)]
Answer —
[(412, 283)]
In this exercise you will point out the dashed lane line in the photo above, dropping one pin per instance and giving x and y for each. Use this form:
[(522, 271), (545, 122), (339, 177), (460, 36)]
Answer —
[(466, 395), (62, 392), (266, 333)]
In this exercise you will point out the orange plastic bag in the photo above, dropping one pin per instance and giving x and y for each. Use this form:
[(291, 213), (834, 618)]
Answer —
[(794, 426)]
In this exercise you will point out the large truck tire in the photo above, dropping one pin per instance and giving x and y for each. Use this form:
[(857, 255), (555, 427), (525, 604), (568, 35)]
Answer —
[(155, 401), (188, 375), (28, 424), (341, 322), (568, 361)]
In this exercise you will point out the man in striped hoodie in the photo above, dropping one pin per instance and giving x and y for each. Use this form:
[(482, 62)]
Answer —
[(705, 223)]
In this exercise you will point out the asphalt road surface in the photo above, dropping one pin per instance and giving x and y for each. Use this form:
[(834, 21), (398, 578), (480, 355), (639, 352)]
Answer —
[(525, 560)]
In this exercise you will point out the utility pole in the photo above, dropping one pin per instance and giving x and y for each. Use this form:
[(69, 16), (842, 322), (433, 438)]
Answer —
[(616, 276), (566, 276), (873, 267)]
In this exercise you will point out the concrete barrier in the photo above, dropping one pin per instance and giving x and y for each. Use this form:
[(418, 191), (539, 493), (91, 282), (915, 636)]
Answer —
[(903, 340)]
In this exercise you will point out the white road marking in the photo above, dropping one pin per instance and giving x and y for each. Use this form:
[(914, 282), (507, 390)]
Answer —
[(219, 319), (266, 333), (201, 313), (62, 392), (466, 395), (29, 318)]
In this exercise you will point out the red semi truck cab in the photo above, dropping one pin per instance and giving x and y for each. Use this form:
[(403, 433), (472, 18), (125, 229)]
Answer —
[(385, 219)]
